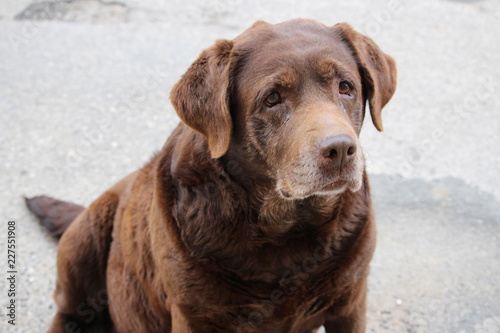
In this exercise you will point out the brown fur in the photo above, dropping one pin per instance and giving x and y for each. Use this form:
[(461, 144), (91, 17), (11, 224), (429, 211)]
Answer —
[(241, 223)]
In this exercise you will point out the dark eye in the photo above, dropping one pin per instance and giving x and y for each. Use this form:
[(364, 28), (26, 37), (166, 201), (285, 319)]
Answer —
[(344, 88), (272, 99)]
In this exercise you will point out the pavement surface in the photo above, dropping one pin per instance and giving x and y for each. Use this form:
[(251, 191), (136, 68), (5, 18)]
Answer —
[(84, 100)]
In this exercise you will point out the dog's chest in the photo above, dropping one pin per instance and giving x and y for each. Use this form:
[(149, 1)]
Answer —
[(294, 305)]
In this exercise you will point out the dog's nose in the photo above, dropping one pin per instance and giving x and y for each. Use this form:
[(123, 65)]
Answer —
[(339, 149)]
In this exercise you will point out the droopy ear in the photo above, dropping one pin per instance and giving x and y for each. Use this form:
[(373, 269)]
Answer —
[(378, 70), (201, 97)]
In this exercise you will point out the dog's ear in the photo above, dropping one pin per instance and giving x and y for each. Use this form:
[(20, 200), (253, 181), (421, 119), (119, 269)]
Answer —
[(378, 70), (201, 97)]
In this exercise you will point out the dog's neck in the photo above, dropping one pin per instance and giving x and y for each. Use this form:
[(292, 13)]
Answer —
[(225, 213)]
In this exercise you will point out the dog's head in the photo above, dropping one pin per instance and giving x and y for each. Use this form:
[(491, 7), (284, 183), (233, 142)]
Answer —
[(292, 97)]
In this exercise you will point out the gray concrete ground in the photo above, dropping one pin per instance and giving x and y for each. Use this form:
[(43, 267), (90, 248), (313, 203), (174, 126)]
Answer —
[(84, 100)]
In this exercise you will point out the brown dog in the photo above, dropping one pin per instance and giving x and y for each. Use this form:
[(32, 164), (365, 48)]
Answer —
[(256, 214)]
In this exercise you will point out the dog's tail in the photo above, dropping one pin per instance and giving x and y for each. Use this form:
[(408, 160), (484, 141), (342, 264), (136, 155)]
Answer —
[(55, 215)]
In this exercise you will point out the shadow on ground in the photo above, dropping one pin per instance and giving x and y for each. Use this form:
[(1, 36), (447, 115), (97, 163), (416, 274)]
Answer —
[(437, 264)]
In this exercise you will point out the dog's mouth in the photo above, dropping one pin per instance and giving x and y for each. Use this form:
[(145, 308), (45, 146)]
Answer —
[(293, 188)]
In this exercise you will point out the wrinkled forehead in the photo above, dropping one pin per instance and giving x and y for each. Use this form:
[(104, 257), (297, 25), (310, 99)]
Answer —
[(290, 53)]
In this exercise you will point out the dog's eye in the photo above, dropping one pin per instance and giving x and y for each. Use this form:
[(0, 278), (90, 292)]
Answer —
[(273, 99), (344, 88)]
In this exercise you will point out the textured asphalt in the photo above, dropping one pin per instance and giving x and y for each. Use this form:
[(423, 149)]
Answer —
[(84, 100)]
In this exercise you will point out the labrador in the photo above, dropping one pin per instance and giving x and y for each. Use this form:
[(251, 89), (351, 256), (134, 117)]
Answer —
[(256, 214)]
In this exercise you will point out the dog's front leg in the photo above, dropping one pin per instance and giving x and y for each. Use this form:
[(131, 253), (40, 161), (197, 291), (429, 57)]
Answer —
[(352, 319)]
